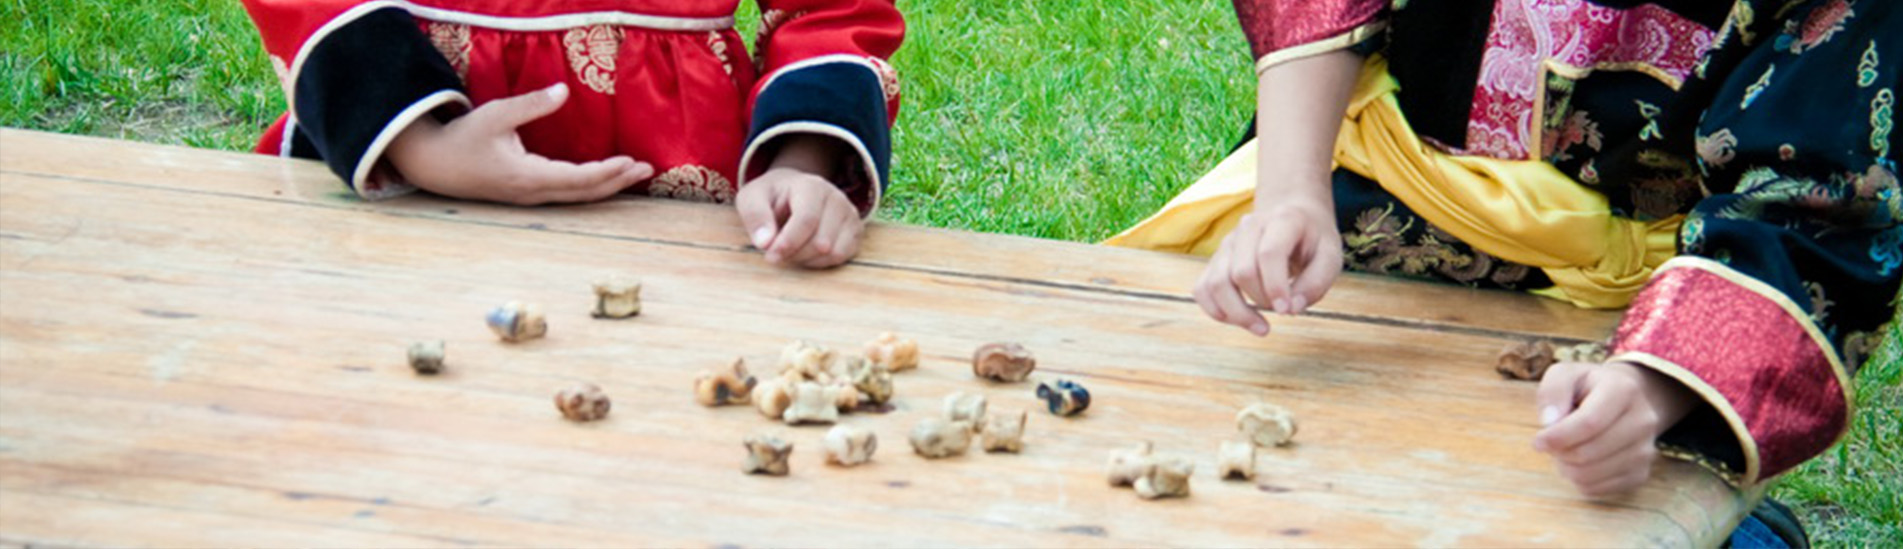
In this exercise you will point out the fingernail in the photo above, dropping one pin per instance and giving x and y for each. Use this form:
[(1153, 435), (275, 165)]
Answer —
[(762, 236), (1260, 330), (1281, 306), (558, 91), (1301, 304), (1549, 415)]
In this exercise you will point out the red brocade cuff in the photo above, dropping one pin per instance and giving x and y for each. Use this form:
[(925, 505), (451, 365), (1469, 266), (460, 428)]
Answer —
[(1281, 30), (1751, 354)]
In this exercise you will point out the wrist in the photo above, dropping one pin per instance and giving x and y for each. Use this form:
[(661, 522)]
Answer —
[(1670, 400)]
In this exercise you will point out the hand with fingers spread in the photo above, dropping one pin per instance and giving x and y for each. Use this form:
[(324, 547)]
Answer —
[(480, 156), (1602, 422), (1282, 258), (796, 215)]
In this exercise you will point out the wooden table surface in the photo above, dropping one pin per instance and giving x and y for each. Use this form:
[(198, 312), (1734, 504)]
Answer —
[(204, 348)]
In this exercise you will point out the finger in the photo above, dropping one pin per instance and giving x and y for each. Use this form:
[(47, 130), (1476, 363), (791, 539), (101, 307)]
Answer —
[(847, 245), (1245, 268), (757, 216), (1558, 391), (1633, 429), (1601, 405), (832, 220), (1624, 472), (510, 113), (802, 221), (1272, 255), (1236, 311), (539, 180), (1208, 284), (1317, 275)]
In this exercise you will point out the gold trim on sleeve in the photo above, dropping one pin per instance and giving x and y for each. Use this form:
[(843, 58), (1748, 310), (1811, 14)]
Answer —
[(1318, 47)]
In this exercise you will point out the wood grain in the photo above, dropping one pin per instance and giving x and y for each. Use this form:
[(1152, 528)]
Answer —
[(202, 348)]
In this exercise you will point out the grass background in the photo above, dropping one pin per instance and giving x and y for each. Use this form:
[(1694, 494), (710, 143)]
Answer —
[(1065, 120)]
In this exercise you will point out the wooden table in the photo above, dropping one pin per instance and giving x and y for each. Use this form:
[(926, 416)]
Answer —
[(203, 348)]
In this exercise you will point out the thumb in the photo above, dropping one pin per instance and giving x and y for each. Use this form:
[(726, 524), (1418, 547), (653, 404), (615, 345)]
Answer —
[(757, 212), (1562, 386), (512, 112)]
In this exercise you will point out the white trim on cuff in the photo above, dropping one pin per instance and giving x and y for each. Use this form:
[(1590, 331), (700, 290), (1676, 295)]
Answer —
[(374, 153), (818, 128)]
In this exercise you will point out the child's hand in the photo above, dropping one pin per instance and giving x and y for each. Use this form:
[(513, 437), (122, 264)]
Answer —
[(480, 156), (800, 218), (1283, 258), (1606, 445)]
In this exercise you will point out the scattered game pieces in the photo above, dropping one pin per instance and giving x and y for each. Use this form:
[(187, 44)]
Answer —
[(426, 357), (845, 396), (517, 321), (617, 297), (1064, 397), (936, 438), (766, 455), (1584, 352), (848, 446), (968, 408), (1003, 433), (1006, 362), (872, 379), (722, 386), (895, 353), (1266, 424), (1165, 478), (1236, 460), (808, 361), (1525, 360), (1127, 465), (773, 397), (812, 403), (582, 402)]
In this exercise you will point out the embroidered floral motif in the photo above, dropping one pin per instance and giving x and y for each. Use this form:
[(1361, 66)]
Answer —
[(1786, 152), (1882, 118), (1867, 66), (1651, 113), (1577, 129), (1589, 173), (1691, 234), (770, 21), (1527, 36), (888, 78), (1823, 23), (1717, 149), (691, 182), (452, 40), (591, 54), (719, 47), (1742, 16), (1887, 250), (1751, 93), (1378, 245), (1820, 304)]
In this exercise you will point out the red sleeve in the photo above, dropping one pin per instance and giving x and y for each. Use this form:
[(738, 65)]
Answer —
[(1280, 30), (823, 71)]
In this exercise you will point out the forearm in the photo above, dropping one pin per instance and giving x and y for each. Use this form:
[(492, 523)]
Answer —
[(1299, 106), (810, 153)]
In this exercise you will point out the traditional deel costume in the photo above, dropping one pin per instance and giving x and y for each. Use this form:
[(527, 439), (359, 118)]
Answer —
[(1725, 170), (666, 82)]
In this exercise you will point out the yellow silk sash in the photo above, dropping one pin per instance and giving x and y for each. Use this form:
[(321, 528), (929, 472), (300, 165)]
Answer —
[(1523, 211)]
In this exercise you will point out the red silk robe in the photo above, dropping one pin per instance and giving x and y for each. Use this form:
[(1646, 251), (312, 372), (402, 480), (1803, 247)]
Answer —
[(669, 83)]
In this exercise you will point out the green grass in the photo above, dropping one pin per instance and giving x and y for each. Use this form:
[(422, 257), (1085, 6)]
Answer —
[(1066, 120)]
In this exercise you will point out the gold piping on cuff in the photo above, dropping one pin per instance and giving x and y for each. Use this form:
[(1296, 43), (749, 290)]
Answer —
[(1709, 465), (1318, 47), (1576, 72), (1711, 396)]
